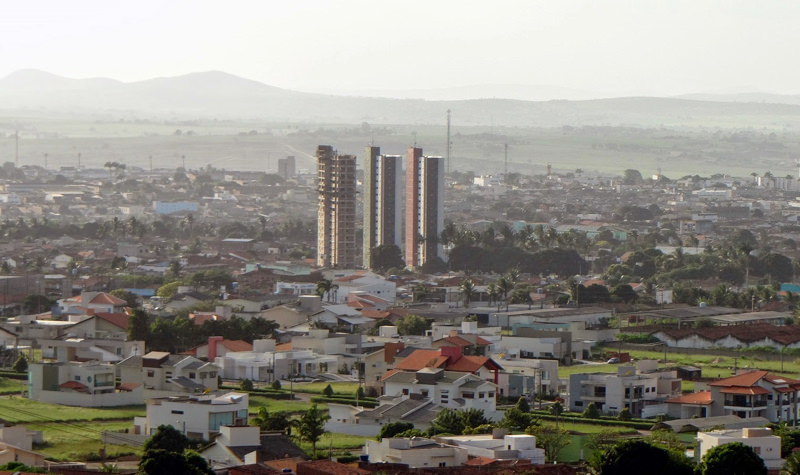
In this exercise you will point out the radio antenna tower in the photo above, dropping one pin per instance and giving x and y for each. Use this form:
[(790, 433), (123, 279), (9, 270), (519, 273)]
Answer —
[(449, 143)]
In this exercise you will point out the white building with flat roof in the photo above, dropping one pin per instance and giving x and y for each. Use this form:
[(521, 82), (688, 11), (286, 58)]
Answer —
[(416, 452), (760, 439), (197, 417)]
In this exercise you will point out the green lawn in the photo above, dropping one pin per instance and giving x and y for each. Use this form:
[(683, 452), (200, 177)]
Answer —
[(80, 440), (337, 442), (347, 389), (12, 386), (273, 405), (20, 410)]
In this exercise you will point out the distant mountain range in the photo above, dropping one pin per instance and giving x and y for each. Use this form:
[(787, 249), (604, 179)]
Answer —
[(217, 94)]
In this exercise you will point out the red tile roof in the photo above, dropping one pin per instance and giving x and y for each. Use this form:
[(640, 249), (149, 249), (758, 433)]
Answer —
[(75, 386), (422, 359), (471, 364), (128, 386), (107, 299), (236, 345), (702, 397), (744, 379), (419, 359), (480, 461), (117, 319)]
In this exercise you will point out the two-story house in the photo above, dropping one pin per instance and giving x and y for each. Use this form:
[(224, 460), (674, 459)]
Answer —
[(756, 393), (197, 417), (642, 393), (161, 371)]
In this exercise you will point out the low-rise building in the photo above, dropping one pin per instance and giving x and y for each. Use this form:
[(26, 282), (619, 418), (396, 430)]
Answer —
[(89, 384), (499, 446), (643, 392), (160, 371), (415, 452), (761, 440), (198, 417)]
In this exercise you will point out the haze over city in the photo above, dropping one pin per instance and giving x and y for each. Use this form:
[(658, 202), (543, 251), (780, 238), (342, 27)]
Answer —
[(534, 50)]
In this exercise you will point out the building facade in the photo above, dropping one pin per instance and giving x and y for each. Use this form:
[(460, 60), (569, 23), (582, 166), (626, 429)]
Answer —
[(286, 167), (336, 217), (382, 217), (424, 207)]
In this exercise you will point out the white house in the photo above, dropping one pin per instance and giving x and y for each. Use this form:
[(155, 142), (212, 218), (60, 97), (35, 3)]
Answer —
[(78, 384), (161, 371), (761, 440), (499, 445), (415, 452), (452, 389), (194, 416), (643, 393)]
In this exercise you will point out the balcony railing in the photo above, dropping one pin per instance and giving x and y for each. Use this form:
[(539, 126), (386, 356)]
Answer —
[(735, 403)]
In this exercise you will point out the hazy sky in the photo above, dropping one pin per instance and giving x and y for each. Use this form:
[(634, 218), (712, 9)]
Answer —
[(615, 47)]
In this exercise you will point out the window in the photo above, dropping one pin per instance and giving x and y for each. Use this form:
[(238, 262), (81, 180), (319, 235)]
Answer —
[(77, 378), (405, 391), (481, 395), (579, 403), (192, 375), (150, 373), (177, 412), (424, 393), (466, 395), (491, 394)]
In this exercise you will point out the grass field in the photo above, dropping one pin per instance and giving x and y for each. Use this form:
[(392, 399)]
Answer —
[(19, 410), (347, 389), (80, 440), (338, 443), (273, 405)]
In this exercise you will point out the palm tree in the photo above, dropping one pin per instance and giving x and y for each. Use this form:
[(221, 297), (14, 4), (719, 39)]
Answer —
[(324, 287), (467, 290), (504, 286), (492, 292)]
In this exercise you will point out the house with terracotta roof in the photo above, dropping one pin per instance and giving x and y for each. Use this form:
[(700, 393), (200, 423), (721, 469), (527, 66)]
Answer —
[(756, 393), (450, 358), (219, 346), (470, 345), (685, 406), (94, 301), (378, 363)]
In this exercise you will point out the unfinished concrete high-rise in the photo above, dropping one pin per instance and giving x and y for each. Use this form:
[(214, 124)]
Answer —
[(424, 207), (336, 215), (381, 197), (286, 167)]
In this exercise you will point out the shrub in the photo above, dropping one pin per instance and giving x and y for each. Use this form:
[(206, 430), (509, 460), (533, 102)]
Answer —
[(591, 411), (276, 385), (624, 414), (246, 385)]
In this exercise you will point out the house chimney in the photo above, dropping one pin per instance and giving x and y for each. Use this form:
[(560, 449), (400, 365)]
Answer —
[(213, 341), (453, 352)]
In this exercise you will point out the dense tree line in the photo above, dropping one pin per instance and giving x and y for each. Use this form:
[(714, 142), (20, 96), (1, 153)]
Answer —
[(180, 333)]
